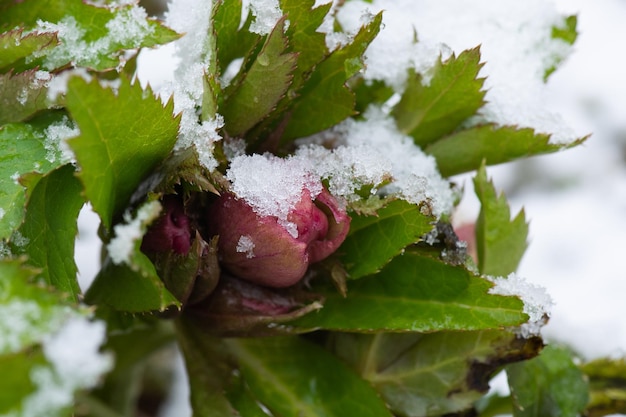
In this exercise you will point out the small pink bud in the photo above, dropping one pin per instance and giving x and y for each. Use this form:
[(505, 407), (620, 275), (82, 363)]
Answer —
[(171, 232), (260, 250)]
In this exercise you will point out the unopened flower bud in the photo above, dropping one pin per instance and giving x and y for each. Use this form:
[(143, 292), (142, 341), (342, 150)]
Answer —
[(171, 232), (262, 250)]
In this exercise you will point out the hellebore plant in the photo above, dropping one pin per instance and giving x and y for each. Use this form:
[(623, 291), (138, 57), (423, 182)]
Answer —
[(366, 300)]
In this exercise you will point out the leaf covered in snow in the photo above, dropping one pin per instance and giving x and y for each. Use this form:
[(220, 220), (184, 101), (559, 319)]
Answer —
[(124, 136)]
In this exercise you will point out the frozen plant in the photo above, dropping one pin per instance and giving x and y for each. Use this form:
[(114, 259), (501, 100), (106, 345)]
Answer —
[(281, 207)]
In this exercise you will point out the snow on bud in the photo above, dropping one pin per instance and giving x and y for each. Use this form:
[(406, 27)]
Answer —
[(171, 232), (260, 249)]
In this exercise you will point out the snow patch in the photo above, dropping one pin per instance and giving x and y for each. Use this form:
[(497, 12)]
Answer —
[(75, 362), (537, 302), (193, 55), (121, 247), (516, 45), (266, 13), (55, 142)]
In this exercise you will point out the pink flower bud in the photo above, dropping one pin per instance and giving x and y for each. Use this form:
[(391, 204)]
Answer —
[(171, 232), (261, 250)]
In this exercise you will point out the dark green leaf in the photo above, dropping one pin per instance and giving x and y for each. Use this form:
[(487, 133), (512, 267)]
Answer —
[(500, 241), (293, 377), (465, 150), (304, 37), (50, 228), (210, 371), (24, 148), (431, 374), (133, 349), (263, 85), (370, 92), (374, 240), (16, 46), (133, 289), (415, 293), (232, 42), (16, 385), (325, 100), (549, 385), (454, 93), (124, 137), (98, 35), (39, 310)]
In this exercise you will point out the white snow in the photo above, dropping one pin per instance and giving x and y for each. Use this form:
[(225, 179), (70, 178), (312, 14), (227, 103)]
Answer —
[(413, 174), (273, 186), (121, 247), (347, 168), (74, 362), (515, 45), (129, 24), (537, 302), (192, 55), (246, 245), (55, 142), (266, 13)]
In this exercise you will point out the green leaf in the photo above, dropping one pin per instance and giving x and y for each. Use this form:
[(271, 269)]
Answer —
[(431, 374), (549, 385), (607, 381), (465, 150), (304, 37), (134, 289), (232, 42), (91, 36), (50, 228), (374, 240), (567, 31), (370, 92), (500, 241), (24, 148), (16, 46), (262, 86), (124, 137), (427, 112), (293, 377), (325, 100), (17, 383), (210, 371), (40, 311), (21, 96), (415, 293), (133, 349)]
